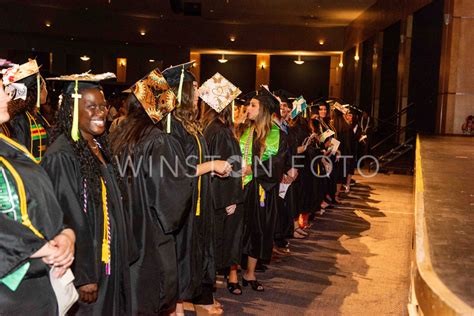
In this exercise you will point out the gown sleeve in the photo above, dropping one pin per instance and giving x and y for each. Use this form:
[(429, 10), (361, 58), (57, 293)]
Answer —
[(227, 191), (20, 130), (64, 175), (168, 188)]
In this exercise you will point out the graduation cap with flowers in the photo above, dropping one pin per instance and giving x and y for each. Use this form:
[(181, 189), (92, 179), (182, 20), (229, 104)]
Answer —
[(155, 95), (16, 79)]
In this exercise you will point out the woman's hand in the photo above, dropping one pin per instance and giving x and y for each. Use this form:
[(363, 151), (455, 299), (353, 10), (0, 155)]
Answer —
[(230, 209), (221, 168), (246, 171), (88, 293), (64, 256)]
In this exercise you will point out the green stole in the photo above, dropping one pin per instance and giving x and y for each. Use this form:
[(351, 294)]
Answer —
[(272, 145)]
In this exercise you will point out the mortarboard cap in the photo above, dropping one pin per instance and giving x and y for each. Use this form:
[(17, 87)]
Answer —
[(285, 96), (326, 135), (76, 83), (173, 74), (218, 92), (155, 95), (269, 99)]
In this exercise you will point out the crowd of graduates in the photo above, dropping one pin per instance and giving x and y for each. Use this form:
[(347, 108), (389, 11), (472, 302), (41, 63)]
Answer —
[(188, 183)]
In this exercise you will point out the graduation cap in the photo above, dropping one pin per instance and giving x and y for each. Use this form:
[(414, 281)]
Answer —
[(326, 135), (263, 94), (285, 96), (173, 73), (299, 106), (341, 108), (17, 78), (76, 83), (218, 92), (155, 95)]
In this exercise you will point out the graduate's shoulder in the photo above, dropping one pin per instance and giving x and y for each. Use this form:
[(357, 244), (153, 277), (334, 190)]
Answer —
[(60, 150)]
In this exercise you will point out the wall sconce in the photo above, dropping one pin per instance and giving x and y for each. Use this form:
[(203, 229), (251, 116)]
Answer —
[(262, 65), (341, 65), (321, 42), (222, 60), (47, 23), (142, 32), (232, 38), (299, 61), (356, 57), (85, 58), (122, 62)]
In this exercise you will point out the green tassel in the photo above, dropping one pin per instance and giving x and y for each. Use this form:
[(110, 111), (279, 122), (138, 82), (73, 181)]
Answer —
[(75, 118)]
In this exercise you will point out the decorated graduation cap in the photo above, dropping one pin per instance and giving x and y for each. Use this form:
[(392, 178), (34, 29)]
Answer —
[(218, 92), (341, 108), (271, 100), (326, 135), (155, 95), (299, 106), (76, 83), (17, 79)]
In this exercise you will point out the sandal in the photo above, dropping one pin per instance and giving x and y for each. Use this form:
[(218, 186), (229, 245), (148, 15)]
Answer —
[(234, 288), (256, 286)]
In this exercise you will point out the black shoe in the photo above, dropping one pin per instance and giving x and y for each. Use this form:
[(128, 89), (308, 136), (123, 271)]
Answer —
[(234, 288), (256, 286)]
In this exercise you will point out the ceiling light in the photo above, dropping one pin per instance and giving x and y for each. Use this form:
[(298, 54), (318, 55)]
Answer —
[(321, 42), (151, 60), (142, 33), (232, 38), (48, 24), (85, 58), (223, 60), (299, 61)]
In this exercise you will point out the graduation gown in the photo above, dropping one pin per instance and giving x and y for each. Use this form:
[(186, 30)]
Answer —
[(228, 229), (32, 131), (159, 200), (18, 242), (113, 280), (260, 197), (194, 241)]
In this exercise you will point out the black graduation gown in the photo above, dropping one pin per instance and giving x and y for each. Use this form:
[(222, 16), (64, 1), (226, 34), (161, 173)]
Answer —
[(346, 137), (299, 189), (260, 220), (194, 241), (228, 229), (20, 130), (62, 165), (159, 200), (34, 296)]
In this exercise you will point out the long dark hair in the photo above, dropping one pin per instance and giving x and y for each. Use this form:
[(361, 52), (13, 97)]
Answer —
[(132, 129), (89, 164), (185, 112), (209, 115)]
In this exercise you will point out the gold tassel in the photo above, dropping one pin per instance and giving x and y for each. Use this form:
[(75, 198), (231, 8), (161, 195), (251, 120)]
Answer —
[(261, 193), (38, 91), (105, 237)]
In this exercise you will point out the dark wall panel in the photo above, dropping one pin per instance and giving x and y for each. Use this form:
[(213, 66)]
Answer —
[(424, 65), (349, 76), (310, 79), (366, 85), (240, 69), (388, 84)]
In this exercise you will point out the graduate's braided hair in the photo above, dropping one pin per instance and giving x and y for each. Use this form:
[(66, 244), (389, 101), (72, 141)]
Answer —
[(89, 164)]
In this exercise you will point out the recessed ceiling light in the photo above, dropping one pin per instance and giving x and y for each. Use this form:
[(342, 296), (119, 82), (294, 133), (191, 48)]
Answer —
[(299, 61), (151, 60), (72, 38), (142, 33), (212, 11), (126, 43), (85, 58), (48, 24)]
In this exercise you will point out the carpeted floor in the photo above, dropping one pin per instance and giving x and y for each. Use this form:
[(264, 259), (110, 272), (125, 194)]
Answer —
[(355, 261)]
